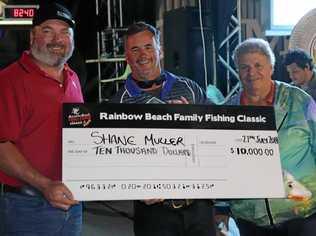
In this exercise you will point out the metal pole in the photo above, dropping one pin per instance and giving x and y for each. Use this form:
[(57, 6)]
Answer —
[(121, 13), (109, 14), (239, 19), (98, 52), (214, 59)]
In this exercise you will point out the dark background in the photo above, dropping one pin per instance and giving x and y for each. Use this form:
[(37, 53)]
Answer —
[(14, 41), (183, 53)]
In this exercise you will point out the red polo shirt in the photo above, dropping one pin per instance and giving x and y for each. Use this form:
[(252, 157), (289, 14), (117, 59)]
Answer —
[(269, 99), (31, 114)]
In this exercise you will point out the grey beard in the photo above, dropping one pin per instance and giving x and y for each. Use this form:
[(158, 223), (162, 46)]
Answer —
[(51, 60)]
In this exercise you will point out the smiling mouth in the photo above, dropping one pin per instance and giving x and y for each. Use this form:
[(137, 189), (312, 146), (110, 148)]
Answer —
[(143, 62), (252, 79), (55, 47), (56, 51)]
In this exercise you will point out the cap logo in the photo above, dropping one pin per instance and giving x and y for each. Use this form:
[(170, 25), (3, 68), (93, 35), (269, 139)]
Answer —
[(62, 14)]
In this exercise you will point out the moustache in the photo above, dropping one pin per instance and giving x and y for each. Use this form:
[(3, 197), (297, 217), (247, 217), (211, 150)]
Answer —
[(252, 78)]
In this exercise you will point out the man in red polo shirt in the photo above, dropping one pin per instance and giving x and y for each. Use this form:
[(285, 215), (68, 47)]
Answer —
[(33, 200)]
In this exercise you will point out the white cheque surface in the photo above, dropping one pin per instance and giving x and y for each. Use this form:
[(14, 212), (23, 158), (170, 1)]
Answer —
[(121, 164)]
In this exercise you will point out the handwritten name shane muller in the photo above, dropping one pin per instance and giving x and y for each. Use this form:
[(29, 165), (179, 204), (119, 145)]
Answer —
[(150, 116), (127, 144)]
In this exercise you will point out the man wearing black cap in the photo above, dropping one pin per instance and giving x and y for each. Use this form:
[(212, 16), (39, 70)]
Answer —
[(33, 200)]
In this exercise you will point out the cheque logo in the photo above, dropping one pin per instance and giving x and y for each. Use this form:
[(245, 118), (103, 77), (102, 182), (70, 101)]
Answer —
[(79, 118)]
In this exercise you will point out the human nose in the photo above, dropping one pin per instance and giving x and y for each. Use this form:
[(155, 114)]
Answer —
[(251, 70), (143, 51), (58, 37)]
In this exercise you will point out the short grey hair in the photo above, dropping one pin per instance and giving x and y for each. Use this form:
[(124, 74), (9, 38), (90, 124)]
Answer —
[(254, 45)]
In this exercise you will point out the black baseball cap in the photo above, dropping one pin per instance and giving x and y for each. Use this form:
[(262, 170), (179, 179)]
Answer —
[(53, 10)]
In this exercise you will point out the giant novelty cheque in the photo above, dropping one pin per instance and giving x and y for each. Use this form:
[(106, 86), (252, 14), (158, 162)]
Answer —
[(137, 151)]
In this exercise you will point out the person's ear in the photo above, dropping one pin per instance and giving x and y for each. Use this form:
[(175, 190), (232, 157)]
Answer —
[(126, 56), (272, 70), (161, 54), (307, 67), (31, 37)]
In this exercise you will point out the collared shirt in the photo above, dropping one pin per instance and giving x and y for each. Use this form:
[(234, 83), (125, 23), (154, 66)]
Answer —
[(310, 86), (31, 110), (269, 99), (296, 124), (174, 87)]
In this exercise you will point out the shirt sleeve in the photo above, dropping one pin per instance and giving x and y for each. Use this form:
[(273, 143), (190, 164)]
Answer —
[(311, 119), (200, 94)]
